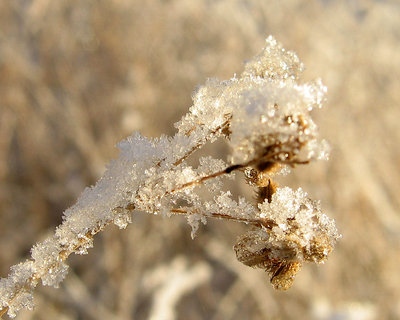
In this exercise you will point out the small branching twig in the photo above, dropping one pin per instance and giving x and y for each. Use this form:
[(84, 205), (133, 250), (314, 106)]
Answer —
[(265, 117)]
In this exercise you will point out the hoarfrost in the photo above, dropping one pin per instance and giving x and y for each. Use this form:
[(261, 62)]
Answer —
[(298, 216), (264, 114), (194, 221)]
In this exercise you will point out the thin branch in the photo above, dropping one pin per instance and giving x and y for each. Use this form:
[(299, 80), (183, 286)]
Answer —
[(267, 223)]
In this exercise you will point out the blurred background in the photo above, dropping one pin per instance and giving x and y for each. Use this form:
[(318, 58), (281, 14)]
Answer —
[(76, 77)]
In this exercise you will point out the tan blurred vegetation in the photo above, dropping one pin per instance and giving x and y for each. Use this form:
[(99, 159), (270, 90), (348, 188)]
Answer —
[(76, 77)]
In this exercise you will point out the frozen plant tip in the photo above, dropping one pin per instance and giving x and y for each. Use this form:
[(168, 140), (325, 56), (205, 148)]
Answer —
[(264, 115)]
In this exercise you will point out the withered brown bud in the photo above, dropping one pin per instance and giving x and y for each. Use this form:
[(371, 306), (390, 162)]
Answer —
[(254, 250), (284, 274)]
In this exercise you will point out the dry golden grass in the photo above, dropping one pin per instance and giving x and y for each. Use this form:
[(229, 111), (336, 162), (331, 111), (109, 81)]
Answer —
[(78, 76)]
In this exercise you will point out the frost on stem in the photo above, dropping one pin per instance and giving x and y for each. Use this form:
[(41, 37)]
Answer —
[(264, 115)]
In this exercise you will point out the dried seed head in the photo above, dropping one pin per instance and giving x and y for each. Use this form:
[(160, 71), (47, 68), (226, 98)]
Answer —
[(320, 248), (296, 232), (253, 249), (284, 275)]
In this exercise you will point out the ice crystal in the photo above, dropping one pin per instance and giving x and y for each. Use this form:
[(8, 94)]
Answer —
[(264, 115)]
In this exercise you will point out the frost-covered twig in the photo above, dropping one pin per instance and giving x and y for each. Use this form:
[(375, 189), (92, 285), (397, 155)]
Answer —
[(264, 114)]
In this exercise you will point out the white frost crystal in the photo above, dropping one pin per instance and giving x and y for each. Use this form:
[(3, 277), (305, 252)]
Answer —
[(299, 221), (264, 114)]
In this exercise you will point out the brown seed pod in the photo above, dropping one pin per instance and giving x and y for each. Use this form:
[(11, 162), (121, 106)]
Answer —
[(254, 250), (284, 274)]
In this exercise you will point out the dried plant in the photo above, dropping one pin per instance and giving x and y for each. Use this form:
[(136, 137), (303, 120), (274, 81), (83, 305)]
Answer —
[(264, 115)]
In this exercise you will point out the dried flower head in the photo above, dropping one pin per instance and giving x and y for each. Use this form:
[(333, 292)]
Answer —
[(294, 231)]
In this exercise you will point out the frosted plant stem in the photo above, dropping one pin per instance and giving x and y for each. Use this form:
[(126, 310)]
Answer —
[(63, 255), (267, 224), (199, 145), (265, 117)]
